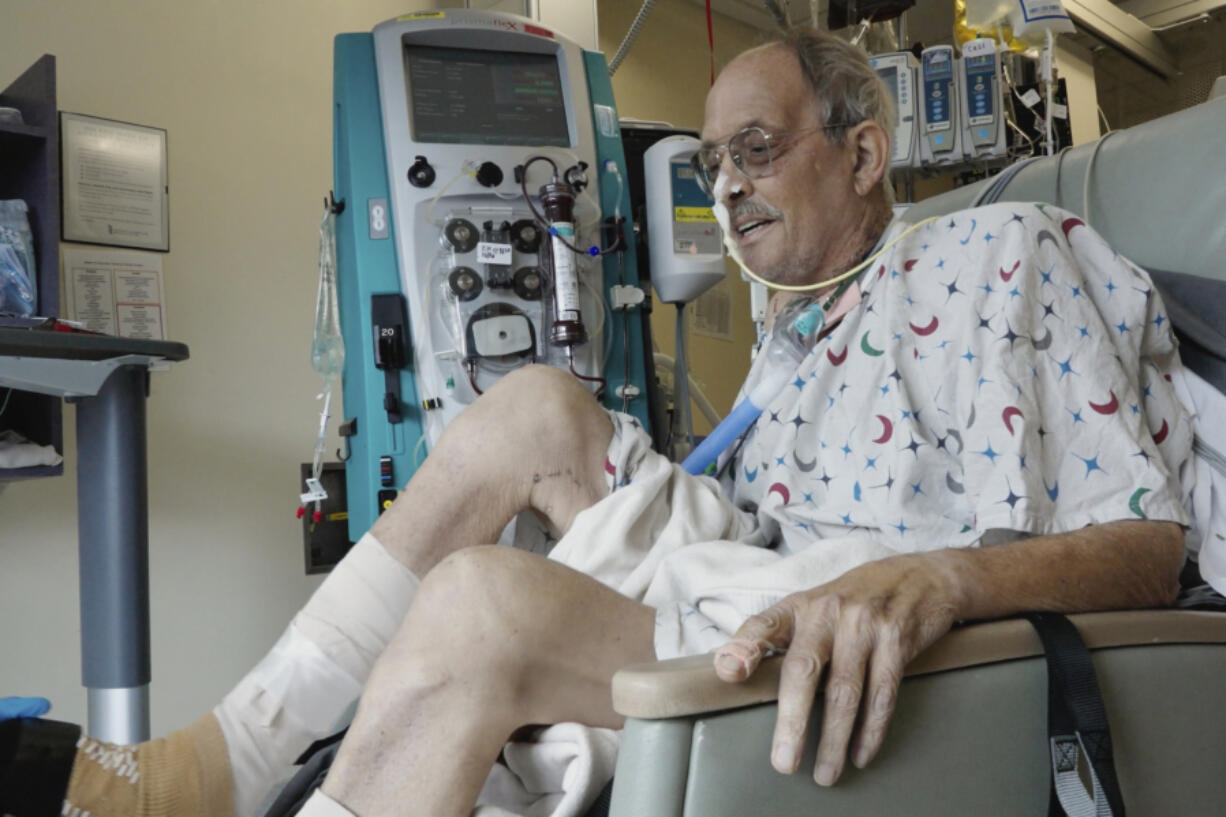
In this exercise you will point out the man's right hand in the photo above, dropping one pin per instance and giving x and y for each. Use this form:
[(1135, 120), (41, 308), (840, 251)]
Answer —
[(861, 629)]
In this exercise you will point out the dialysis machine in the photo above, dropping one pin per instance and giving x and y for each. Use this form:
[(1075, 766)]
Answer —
[(898, 71), (481, 167)]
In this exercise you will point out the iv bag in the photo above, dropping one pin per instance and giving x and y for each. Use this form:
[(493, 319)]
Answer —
[(1032, 19), (327, 346)]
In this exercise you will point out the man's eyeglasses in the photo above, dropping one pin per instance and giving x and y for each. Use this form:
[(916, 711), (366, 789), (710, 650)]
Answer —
[(751, 150)]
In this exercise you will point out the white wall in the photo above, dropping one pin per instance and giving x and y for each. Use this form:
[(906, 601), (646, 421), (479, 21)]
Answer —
[(244, 92)]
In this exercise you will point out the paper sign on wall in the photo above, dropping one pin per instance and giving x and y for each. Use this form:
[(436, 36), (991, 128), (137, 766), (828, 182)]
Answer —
[(116, 292)]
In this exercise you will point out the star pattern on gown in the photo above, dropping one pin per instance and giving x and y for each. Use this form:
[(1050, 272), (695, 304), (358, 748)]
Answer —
[(1002, 435)]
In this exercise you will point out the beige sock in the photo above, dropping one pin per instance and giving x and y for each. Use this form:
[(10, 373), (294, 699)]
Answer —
[(186, 773)]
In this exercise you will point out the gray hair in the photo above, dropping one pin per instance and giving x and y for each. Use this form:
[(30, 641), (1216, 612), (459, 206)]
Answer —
[(847, 87)]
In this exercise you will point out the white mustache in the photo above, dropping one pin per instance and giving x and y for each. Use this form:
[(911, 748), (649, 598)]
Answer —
[(753, 208)]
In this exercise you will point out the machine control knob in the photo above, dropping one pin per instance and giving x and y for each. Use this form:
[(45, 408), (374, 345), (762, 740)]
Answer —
[(576, 176), (528, 282), (525, 235), (421, 174), (489, 175), (464, 283), (461, 234)]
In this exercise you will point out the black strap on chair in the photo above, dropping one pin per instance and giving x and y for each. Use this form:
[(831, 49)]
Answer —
[(315, 762), (1076, 724)]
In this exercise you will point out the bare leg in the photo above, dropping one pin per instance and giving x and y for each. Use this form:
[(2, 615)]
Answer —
[(536, 440), (496, 639)]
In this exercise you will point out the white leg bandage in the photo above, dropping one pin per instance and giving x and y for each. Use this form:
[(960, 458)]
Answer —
[(313, 674)]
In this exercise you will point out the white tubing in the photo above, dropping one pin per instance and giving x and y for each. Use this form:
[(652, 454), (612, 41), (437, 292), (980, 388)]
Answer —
[(696, 393), (311, 677)]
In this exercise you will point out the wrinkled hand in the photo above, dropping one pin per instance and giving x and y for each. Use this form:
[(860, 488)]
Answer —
[(23, 708), (862, 629)]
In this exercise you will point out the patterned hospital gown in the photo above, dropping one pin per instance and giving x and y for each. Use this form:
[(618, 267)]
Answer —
[(1005, 369), (1004, 373)]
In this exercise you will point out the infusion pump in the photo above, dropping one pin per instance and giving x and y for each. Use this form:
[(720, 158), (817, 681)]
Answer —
[(940, 108), (982, 109), (950, 108), (898, 71)]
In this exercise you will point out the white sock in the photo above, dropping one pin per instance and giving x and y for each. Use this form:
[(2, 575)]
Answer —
[(314, 673)]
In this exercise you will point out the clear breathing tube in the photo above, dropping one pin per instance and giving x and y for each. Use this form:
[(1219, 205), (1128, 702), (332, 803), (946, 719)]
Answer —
[(327, 348)]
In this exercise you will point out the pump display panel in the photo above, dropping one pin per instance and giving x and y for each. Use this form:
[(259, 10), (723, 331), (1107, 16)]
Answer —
[(474, 96)]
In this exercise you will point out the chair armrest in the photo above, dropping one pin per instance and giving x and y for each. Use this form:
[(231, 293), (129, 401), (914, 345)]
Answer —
[(688, 686)]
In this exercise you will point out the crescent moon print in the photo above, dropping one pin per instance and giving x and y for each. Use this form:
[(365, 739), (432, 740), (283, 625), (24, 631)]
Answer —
[(1134, 502), (887, 429), (868, 349), (1162, 432), (1008, 276), (953, 484), (836, 360), (1070, 223), (926, 330), (1043, 343), (1008, 414), (1110, 407), (909, 264), (957, 435), (1047, 235), (782, 490), (804, 466)]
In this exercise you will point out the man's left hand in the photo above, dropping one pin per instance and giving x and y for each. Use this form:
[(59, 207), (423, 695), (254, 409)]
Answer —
[(862, 629)]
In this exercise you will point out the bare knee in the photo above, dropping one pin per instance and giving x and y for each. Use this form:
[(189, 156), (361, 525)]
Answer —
[(543, 401), (535, 640), (477, 594), (539, 433), (472, 621)]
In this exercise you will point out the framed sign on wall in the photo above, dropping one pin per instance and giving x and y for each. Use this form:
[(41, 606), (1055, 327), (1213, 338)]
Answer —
[(115, 188)]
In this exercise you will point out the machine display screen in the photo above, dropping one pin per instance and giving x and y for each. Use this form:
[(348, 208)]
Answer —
[(890, 77), (471, 96)]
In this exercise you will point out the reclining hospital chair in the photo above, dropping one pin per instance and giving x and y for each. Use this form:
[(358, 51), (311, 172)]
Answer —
[(970, 734)]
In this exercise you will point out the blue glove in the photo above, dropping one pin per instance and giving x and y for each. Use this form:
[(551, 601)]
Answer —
[(23, 708)]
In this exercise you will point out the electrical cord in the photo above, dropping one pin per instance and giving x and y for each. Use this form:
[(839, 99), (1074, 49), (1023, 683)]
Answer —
[(1103, 117), (631, 35), (699, 397), (1085, 186)]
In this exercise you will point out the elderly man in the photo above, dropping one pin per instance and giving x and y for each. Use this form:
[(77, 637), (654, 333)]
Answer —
[(901, 482)]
